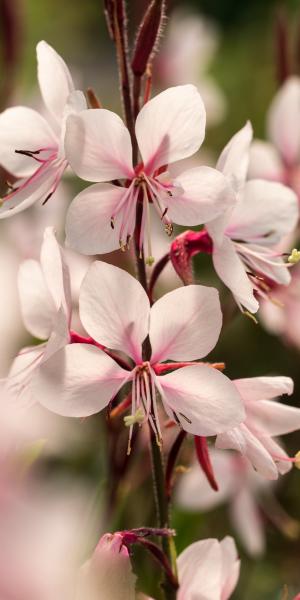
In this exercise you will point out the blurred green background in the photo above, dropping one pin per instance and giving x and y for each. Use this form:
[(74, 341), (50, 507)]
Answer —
[(245, 69)]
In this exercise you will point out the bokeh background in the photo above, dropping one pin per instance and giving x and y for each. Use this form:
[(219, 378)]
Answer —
[(244, 66)]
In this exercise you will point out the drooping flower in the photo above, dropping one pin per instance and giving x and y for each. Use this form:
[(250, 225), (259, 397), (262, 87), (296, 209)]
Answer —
[(32, 147), (170, 127), (45, 296), (265, 418), (184, 325)]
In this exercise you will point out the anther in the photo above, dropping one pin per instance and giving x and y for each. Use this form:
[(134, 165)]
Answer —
[(169, 229), (294, 257)]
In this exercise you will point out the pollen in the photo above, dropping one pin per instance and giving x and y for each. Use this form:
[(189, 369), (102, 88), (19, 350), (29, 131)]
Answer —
[(294, 257), (138, 417)]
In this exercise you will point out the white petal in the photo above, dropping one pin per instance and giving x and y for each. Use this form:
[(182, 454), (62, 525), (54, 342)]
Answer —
[(200, 571), (230, 567), (265, 162), (170, 127), (248, 522), (284, 112), (206, 195), (232, 439), (88, 222), (232, 272), (77, 381), (265, 261), (98, 146), (185, 324), (56, 271), (263, 388), (38, 310), (276, 451), (234, 159), (274, 418), (267, 211), (23, 129), (114, 309), (18, 382), (204, 399), (54, 79)]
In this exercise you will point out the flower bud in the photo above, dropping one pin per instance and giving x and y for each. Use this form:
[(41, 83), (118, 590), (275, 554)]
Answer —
[(147, 37)]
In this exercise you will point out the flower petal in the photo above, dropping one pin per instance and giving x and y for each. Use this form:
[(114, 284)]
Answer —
[(200, 571), (204, 399), (234, 159), (56, 271), (77, 381), (23, 129), (283, 113), (170, 127), (265, 162), (232, 272), (185, 324), (108, 304), (230, 567), (206, 195), (274, 418), (88, 222), (98, 146), (248, 522), (263, 388), (54, 79), (38, 310)]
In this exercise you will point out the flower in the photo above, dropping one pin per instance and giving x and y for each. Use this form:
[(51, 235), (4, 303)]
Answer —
[(45, 296), (279, 158), (239, 485), (170, 127), (26, 136), (265, 418), (80, 379)]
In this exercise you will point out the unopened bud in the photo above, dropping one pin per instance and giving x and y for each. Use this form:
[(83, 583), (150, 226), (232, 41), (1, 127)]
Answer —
[(147, 37)]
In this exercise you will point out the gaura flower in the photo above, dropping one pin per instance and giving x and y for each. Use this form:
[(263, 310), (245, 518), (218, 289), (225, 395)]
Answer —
[(45, 296), (32, 147), (265, 418), (279, 158), (184, 325), (170, 127)]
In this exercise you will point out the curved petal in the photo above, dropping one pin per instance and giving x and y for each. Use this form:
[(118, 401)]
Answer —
[(114, 309), (277, 452), (98, 146), (56, 271), (283, 113), (200, 571), (185, 324), (206, 195), (266, 212), (38, 310), (88, 222), (23, 129), (234, 159), (263, 388), (274, 418), (265, 162), (204, 399), (265, 261), (18, 382), (54, 79), (232, 272), (77, 381), (230, 567), (170, 127), (248, 523)]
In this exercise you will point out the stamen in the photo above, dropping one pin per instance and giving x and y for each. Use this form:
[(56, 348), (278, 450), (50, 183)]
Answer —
[(149, 259), (294, 257)]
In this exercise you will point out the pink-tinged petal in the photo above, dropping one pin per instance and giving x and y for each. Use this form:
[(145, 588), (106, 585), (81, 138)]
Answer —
[(56, 271), (18, 382), (230, 567), (54, 79), (204, 400), (77, 381), (274, 418), (234, 159), (263, 388), (206, 195), (170, 127), (38, 310), (265, 162), (200, 571), (23, 129), (37, 188), (98, 146), (60, 335), (114, 309), (247, 520), (277, 452), (185, 324), (88, 222), (261, 259), (232, 272), (232, 439), (266, 212), (283, 113)]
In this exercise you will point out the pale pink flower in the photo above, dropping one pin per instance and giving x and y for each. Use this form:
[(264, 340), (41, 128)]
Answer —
[(184, 325), (245, 238), (170, 127), (108, 574), (31, 147), (279, 158), (45, 297), (239, 485), (265, 418)]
